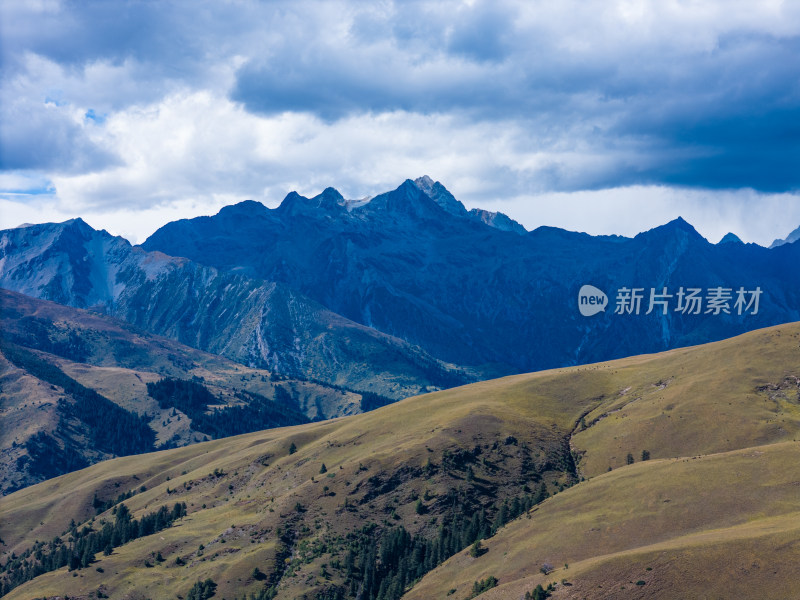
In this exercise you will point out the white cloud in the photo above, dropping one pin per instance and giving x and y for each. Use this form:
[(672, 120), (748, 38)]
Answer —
[(753, 216), (522, 106), (197, 145), (132, 223)]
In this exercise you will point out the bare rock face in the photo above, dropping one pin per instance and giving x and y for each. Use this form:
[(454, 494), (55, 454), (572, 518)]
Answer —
[(255, 322)]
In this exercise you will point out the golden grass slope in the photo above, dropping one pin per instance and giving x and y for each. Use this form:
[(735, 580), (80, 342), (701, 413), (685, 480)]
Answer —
[(118, 361), (262, 483), (686, 527), (729, 503), (689, 518), (732, 394)]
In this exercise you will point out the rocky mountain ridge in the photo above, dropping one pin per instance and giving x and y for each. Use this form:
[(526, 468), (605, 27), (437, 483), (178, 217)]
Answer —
[(415, 264), (255, 322)]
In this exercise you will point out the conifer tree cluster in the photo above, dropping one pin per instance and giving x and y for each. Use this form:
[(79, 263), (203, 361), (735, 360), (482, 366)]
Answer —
[(382, 564), (112, 429), (79, 549), (193, 399)]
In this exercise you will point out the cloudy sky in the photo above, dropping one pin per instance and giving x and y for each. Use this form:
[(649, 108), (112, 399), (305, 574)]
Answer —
[(606, 117)]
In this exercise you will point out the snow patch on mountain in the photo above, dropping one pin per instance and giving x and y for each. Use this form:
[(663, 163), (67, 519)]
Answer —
[(351, 205), (498, 220)]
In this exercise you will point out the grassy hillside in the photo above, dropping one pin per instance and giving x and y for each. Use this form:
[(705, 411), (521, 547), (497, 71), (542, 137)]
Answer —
[(672, 523), (79, 340), (720, 491), (377, 466), (733, 394), (712, 496), (117, 361)]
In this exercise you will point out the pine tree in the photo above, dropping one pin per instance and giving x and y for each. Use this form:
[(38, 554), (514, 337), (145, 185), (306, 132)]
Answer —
[(419, 507)]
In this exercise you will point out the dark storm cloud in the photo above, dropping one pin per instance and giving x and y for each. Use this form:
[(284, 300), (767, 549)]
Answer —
[(702, 95), (485, 34), (731, 121), (175, 40), (723, 116)]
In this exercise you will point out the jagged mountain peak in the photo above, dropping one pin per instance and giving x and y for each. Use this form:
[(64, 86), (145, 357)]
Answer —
[(409, 191), (407, 199), (81, 228), (440, 194), (294, 204), (679, 223), (408, 186), (730, 238), (424, 183), (69, 262), (75, 228), (331, 192), (329, 201), (677, 226), (76, 222), (292, 198)]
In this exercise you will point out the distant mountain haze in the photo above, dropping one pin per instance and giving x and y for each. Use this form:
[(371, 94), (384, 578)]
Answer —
[(791, 238)]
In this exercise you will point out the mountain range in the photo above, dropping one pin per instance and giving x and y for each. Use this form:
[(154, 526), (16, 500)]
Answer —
[(182, 418), (331, 307), (258, 323), (792, 237), (415, 264)]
